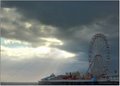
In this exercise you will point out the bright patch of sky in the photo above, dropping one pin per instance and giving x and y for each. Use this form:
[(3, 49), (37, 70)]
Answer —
[(18, 50), (13, 43)]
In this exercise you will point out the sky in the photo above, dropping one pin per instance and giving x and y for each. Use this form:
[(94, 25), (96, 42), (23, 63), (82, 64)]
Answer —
[(39, 38)]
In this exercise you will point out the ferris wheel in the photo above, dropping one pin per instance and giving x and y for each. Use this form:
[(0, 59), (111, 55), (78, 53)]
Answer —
[(99, 56)]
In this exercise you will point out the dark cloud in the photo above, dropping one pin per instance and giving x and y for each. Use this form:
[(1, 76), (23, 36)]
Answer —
[(65, 14)]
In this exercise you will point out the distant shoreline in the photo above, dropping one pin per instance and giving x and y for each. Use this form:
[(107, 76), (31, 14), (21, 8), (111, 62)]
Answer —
[(19, 83), (62, 83)]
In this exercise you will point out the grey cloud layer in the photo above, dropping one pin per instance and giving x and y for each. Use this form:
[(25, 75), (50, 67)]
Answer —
[(66, 14), (14, 26)]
